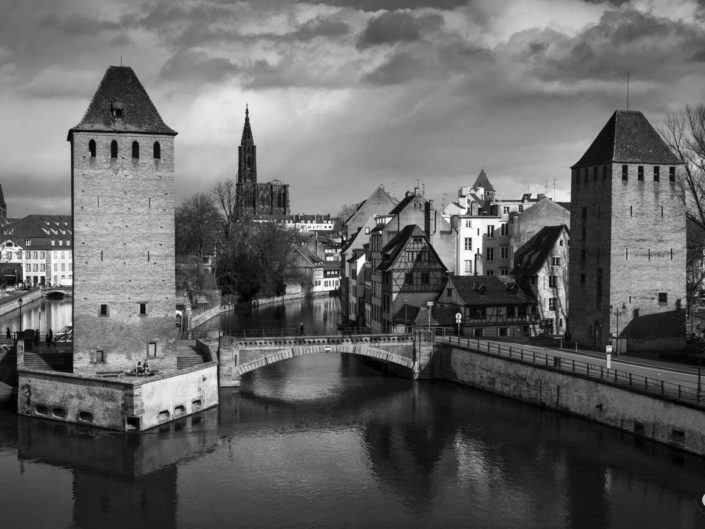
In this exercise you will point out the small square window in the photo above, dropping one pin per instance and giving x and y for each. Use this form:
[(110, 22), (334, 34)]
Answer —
[(662, 298), (100, 356), (103, 309), (143, 309)]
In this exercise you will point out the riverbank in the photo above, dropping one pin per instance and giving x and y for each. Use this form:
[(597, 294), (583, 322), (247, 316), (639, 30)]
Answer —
[(648, 410)]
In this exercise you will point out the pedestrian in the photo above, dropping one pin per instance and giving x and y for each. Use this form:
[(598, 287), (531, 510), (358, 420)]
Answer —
[(51, 337), (36, 337), (48, 338), (9, 335), (301, 329)]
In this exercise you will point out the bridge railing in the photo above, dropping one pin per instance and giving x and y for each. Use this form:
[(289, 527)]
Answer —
[(289, 331), (656, 387)]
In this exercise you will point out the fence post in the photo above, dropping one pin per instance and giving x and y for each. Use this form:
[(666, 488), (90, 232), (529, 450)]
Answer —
[(662, 388), (573, 365), (679, 391), (646, 383), (600, 372), (533, 357), (630, 380)]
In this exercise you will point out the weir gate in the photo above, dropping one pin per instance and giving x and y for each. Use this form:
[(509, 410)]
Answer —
[(404, 353)]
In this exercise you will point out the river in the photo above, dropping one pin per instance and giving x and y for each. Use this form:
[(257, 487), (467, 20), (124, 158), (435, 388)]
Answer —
[(328, 441)]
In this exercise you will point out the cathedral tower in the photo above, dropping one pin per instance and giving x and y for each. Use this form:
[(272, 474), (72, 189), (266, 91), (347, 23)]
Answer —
[(628, 248), (122, 187), (251, 198)]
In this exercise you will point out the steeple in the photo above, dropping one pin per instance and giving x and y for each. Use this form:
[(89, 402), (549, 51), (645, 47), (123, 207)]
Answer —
[(3, 206), (247, 138), (247, 154)]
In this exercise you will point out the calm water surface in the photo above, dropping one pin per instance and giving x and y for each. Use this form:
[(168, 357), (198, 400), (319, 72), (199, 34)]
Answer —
[(327, 441)]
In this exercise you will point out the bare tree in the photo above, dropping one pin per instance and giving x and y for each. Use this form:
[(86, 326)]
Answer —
[(684, 133), (226, 197), (197, 226)]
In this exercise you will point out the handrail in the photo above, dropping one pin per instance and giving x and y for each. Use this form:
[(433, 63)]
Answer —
[(682, 393)]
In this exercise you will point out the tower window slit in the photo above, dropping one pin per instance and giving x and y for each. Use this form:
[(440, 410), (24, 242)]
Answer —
[(157, 151), (148, 257), (661, 211), (135, 150), (113, 149), (91, 148), (101, 255)]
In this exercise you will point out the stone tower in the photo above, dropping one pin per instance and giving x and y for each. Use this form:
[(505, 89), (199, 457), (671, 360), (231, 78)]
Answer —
[(122, 188), (251, 198), (628, 246)]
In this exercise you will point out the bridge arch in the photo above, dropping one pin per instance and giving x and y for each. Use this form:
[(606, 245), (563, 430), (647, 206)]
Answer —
[(254, 354)]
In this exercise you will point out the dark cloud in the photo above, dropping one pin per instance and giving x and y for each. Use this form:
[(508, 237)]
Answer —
[(400, 68), (393, 5), (197, 67), (649, 47), (320, 27), (393, 27)]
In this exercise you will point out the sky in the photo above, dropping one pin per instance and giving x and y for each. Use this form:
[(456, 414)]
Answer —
[(345, 95)]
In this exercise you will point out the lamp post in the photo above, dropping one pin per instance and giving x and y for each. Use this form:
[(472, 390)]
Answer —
[(429, 304), (617, 312), (19, 302)]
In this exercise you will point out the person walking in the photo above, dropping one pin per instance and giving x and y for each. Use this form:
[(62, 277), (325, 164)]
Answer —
[(48, 338), (8, 335)]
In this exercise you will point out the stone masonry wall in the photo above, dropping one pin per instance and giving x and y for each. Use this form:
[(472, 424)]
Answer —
[(677, 425), (123, 212), (632, 231)]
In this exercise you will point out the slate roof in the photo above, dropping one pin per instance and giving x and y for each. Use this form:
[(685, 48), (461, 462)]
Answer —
[(120, 88), (531, 256), (404, 202), (483, 181), (627, 137), (40, 230), (483, 291)]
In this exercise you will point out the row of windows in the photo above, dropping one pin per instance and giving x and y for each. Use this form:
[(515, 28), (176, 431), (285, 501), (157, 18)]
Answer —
[(156, 149), (30, 255), (104, 310), (41, 267), (656, 173), (502, 272), (424, 278)]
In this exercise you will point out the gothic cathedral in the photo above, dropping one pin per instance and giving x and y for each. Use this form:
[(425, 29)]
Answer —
[(253, 199)]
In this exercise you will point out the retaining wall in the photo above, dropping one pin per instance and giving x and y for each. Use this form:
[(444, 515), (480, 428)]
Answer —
[(679, 425)]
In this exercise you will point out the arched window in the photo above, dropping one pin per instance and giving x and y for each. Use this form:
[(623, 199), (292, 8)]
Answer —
[(157, 151), (91, 148), (113, 149), (135, 149)]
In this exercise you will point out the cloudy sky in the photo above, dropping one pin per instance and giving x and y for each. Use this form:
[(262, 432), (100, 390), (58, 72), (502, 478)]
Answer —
[(345, 95)]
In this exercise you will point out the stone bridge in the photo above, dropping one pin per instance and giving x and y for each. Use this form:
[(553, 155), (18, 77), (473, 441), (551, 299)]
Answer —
[(405, 353)]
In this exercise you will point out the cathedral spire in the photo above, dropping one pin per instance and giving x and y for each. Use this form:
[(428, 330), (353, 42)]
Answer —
[(247, 138)]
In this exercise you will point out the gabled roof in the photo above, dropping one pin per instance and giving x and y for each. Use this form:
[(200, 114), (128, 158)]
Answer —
[(627, 137), (307, 256), (532, 255), (404, 202), (489, 290), (378, 196), (394, 247), (121, 92), (483, 181), (40, 230)]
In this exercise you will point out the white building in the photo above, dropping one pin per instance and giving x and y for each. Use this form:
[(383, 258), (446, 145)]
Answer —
[(483, 245)]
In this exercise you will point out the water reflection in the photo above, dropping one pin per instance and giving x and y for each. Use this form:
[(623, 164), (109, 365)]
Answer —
[(40, 314)]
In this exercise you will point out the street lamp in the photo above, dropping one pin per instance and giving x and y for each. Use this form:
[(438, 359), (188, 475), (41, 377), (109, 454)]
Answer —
[(429, 304), (19, 302), (617, 312)]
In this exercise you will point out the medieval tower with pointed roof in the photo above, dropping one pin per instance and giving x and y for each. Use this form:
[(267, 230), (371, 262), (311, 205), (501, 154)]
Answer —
[(251, 198), (122, 186), (628, 247)]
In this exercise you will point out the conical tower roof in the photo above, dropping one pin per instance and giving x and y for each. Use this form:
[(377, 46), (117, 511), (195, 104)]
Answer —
[(483, 181), (121, 104), (247, 138), (627, 137)]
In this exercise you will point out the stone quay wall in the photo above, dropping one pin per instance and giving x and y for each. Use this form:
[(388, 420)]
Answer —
[(679, 425), (117, 403)]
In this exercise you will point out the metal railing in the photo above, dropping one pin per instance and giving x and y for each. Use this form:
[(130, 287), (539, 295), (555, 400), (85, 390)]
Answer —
[(287, 331), (655, 387)]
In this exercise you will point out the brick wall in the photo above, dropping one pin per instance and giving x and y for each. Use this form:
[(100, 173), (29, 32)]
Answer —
[(123, 211), (633, 231)]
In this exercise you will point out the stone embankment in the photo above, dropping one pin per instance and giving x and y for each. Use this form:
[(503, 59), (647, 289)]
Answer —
[(671, 414)]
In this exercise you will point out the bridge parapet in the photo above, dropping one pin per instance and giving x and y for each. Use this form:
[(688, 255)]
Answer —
[(242, 355)]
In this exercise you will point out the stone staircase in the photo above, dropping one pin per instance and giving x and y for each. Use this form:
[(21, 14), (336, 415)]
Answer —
[(49, 361), (187, 355)]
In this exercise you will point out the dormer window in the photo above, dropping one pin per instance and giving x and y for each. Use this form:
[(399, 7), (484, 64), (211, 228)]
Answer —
[(117, 110)]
